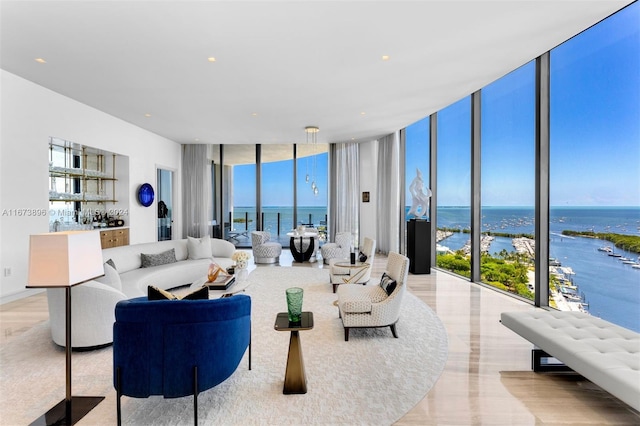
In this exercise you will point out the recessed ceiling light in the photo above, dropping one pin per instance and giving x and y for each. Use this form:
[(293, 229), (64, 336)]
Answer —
[(385, 57), (254, 114), (41, 61), (363, 113), (211, 59), (196, 139), (147, 115)]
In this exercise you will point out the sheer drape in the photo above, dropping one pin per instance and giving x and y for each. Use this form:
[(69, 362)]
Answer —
[(388, 184), (196, 190), (344, 189)]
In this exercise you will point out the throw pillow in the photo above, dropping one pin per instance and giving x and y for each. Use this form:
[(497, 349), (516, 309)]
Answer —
[(387, 283), (199, 248), (362, 257), (155, 293), (111, 263), (149, 260), (111, 277)]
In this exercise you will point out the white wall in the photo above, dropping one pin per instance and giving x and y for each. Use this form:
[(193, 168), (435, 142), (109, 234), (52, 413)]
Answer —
[(29, 115), (368, 176)]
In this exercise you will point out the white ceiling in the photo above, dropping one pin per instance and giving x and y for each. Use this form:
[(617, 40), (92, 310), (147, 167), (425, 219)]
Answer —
[(291, 63)]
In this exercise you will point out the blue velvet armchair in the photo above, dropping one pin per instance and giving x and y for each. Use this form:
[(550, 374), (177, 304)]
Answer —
[(178, 348)]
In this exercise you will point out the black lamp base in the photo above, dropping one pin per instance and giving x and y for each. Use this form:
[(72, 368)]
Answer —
[(80, 406)]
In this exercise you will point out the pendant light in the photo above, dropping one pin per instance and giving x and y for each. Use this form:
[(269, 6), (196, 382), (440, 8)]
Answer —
[(312, 138)]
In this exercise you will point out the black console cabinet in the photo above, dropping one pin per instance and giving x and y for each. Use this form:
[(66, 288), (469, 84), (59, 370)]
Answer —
[(419, 246)]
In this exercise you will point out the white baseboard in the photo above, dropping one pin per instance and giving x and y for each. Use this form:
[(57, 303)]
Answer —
[(19, 295)]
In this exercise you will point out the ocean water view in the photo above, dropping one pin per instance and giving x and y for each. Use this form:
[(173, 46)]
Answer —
[(610, 287), (306, 214)]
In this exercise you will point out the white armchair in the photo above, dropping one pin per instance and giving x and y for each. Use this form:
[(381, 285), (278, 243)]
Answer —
[(375, 305), (265, 251), (353, 275), (339, 249)]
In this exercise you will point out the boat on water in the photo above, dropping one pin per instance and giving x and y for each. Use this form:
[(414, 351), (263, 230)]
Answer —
[(636, 266), (606, 249), (567, 270), (615, 255)]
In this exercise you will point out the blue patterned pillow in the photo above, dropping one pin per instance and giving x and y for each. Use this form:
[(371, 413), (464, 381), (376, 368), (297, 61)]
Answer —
[(149, 260), (387, 283)]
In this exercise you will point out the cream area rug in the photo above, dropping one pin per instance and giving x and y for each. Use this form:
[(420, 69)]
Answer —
[(373, 379)]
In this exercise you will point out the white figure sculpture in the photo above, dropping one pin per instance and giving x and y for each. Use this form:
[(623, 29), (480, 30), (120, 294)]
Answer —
[(420, 199)]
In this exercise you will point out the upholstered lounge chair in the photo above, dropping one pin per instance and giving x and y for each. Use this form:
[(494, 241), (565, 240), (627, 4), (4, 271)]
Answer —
[(369, 305), (265, 251), (340, 248), (178, 348), (340, 275)]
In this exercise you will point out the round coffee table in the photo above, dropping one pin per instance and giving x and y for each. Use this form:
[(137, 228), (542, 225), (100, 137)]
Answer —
[(358, 268)]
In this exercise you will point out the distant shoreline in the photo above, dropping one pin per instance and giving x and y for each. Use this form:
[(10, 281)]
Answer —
[(621, 241)]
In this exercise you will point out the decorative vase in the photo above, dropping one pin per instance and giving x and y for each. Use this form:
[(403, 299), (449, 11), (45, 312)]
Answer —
[(212, 273), (294, 303)]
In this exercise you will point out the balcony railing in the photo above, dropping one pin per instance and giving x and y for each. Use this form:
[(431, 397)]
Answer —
[(240, 224)]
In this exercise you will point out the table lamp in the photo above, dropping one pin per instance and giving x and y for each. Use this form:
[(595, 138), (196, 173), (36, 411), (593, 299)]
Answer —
[(61, 260)]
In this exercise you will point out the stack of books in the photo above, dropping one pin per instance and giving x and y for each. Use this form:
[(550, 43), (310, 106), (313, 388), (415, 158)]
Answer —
[(222, 282)]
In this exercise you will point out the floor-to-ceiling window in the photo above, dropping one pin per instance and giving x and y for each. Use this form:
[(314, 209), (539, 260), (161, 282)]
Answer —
[(240, 214), (454, 180), (417, 193), (235, 181), (508, 182), (312, 184), (277, 190), (595, 170), (594, 228)]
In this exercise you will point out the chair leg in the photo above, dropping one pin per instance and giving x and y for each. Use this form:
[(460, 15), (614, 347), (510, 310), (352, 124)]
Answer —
[(346, 334), (195, 395), (249, 345), (119, 395), (393, 330)]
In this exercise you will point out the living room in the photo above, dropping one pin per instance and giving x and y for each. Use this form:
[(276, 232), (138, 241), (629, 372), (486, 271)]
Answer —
[(32, 113)]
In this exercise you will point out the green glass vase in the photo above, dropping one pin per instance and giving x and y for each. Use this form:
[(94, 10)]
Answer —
[(294, 303)]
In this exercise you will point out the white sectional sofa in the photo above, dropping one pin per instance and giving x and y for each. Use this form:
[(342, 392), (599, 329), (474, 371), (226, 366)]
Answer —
[(93, 303), (188, 268)]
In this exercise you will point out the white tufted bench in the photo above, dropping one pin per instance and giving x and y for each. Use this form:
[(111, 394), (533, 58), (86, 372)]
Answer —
[(605, 353)]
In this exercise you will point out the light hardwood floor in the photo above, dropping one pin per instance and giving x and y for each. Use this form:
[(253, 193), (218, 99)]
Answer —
[(487, 378)]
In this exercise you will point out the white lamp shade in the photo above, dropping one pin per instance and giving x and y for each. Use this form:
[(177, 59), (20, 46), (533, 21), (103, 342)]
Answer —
[(64, 258)]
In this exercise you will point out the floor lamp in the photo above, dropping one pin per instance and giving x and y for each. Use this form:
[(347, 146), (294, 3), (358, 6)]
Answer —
[(61, 260)]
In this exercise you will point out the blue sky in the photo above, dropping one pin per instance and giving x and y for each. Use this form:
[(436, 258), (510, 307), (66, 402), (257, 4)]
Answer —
[(595, 133), (277, 185), (595, 127)]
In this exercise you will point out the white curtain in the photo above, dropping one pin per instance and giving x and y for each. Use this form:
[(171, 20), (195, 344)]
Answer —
[(388, 186), (344, 190), (196, 190)]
